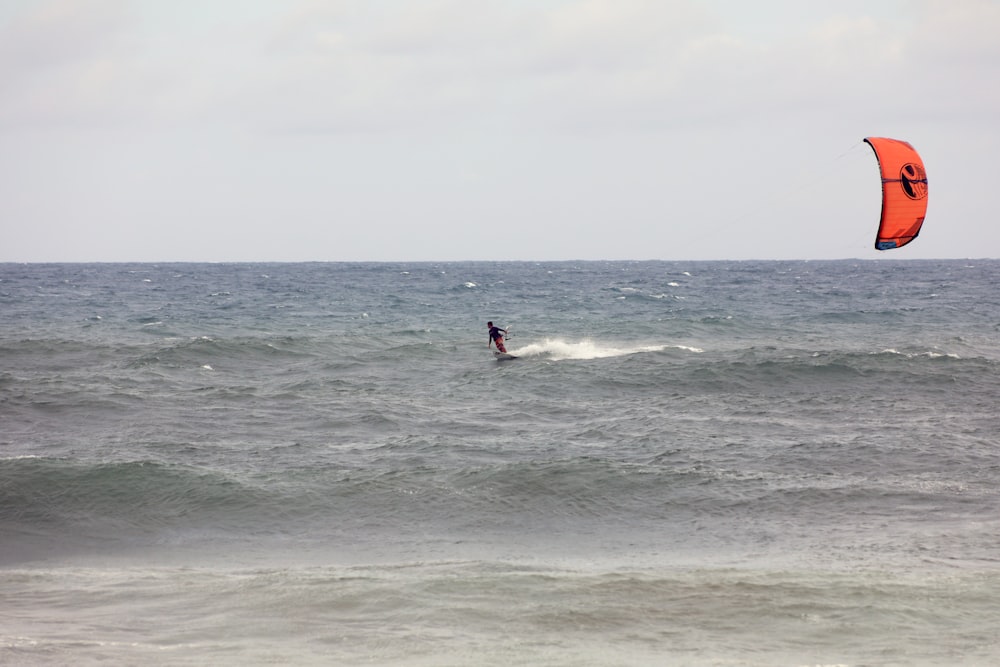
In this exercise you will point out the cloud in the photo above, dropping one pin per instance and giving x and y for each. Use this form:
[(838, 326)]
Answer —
[(447, 66), (953, 55), (64, 62), (439, 65), (595, 65)]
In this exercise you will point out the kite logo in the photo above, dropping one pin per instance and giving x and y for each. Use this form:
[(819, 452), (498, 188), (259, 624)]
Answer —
[(913, 179)]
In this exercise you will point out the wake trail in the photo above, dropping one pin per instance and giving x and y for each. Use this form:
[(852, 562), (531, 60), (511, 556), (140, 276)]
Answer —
[(557, 349)]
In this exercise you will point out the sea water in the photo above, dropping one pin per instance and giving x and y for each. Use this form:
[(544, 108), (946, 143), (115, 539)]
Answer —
[(690, 463)]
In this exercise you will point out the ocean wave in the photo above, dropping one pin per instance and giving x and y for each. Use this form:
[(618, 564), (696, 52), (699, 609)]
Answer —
[(197, 351), (122, 503), (118, 501), (53, 506), (762, 366)]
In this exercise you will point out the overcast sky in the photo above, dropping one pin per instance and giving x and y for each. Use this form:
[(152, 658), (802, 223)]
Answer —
[(287, 130)]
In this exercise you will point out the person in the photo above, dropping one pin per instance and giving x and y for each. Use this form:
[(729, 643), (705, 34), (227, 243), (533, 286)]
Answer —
[(496, 336)]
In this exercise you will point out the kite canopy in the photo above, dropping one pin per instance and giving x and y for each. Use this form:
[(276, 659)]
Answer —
[(904, 192)]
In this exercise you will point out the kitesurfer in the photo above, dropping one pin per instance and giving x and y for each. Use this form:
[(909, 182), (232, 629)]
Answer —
[(496, 336)]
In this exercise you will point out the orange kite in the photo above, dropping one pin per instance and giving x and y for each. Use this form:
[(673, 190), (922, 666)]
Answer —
[(904, 192)]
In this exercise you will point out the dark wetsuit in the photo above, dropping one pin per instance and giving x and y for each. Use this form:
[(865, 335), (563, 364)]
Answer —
[(496, 334)]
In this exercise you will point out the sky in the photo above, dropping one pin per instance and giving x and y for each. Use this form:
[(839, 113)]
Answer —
[(449, 130)]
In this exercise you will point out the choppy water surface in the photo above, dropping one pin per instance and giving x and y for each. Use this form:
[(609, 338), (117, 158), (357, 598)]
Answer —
[(710, 463)]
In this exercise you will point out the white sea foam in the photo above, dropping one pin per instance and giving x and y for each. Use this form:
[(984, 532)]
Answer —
[(558, 349), (930, 354)]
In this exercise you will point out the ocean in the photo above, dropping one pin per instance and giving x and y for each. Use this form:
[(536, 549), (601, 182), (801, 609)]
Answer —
[(689, 463)]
